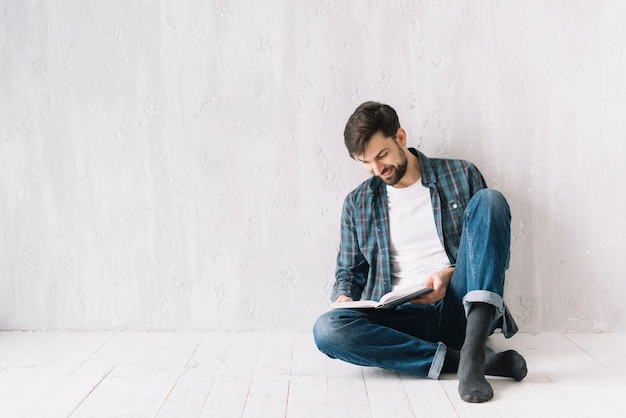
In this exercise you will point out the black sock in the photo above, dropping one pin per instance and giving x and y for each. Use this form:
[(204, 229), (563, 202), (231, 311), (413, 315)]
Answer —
[(451, 362), (473, 387), (506, 364)]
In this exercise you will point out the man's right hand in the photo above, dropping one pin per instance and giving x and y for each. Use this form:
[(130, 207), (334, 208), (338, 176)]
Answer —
[(343, 298)]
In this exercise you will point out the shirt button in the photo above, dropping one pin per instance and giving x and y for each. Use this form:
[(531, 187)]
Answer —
[(454, 206)]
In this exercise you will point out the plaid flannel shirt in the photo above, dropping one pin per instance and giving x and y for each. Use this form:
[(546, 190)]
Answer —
[(363, 262)]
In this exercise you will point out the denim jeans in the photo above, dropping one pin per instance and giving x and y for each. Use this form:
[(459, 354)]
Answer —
[(413, 339)]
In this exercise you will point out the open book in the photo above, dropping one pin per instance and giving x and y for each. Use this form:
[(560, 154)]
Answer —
[(389, 300)]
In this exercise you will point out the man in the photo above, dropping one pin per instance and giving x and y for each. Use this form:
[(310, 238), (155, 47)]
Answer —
[(420, 220)]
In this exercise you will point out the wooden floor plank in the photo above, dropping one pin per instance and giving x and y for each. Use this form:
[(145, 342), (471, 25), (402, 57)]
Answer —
[(347, 391), (607, 349), (561, 373), (133, 359), (48, 367), (158, 379), (229, 392), (269, 389), (20, 368), (283, 374), (386, 394), (64, 399), (308, 391), (16, 345), (427, 397), (190, 391)]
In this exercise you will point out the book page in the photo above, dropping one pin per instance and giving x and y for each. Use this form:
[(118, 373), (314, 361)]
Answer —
[(355, 304)]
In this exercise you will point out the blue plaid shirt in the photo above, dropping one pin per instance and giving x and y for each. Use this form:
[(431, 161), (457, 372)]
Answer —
[(363, 263)]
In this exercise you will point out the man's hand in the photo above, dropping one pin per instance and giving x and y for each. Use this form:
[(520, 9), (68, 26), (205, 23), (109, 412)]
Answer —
[(439, 281), (343, 298)]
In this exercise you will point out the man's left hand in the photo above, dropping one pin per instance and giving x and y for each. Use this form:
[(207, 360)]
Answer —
[(439, 281)]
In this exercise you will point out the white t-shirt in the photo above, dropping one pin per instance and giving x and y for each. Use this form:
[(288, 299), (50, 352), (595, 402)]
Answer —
[(415, 248)]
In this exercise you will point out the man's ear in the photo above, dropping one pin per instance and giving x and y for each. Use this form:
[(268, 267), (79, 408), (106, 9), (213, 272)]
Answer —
[(401, 137)]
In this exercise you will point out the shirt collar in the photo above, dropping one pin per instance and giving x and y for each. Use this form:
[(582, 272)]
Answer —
[(428, 173)]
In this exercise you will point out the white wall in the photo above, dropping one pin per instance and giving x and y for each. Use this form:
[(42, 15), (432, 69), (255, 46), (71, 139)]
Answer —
[(180, 164)]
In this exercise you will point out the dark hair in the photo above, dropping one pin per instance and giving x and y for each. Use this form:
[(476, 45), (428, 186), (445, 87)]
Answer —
[(367, 119)]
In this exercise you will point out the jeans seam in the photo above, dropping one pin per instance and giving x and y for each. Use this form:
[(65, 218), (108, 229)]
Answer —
[(470, 247)]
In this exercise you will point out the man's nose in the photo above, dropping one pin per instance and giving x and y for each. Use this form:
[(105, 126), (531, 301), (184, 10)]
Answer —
[(377, 168)]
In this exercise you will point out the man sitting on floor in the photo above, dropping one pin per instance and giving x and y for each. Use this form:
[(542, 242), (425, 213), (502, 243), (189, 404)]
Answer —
[(420, 219)]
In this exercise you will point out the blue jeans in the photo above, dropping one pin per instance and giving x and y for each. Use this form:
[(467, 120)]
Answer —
[(413, 339)]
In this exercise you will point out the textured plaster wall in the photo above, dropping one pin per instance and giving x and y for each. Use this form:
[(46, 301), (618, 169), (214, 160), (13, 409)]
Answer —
[(180, 165)]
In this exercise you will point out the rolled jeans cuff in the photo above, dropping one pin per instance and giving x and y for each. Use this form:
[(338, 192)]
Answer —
[(508, 325), (437, 364), (484, 296)]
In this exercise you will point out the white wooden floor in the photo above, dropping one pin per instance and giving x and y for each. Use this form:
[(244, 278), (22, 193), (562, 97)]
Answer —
[(266, 374)]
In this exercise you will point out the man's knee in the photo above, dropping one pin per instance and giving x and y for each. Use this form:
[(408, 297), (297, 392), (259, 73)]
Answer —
[(328, 334), (490, 200), (323, 333), (490, 197)]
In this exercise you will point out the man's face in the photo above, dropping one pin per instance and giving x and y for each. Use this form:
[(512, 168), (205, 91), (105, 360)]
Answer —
[(384, 158)]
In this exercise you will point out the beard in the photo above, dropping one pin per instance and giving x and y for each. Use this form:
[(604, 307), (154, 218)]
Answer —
[(399, 172)]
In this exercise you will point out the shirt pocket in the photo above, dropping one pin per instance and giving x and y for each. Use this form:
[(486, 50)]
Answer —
[(452, 215)]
